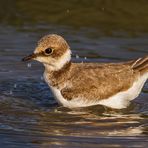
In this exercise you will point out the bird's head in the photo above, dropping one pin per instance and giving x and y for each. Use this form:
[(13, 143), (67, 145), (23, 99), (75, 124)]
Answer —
[(52, 50)]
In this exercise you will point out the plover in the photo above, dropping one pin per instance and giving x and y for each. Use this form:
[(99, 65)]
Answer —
[(85, 84)]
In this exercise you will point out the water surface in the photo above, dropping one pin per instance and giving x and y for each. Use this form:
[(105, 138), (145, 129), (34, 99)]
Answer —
[(29, 115)]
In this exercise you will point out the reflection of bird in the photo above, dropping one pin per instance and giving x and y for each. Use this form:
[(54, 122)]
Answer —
[(85, 84)]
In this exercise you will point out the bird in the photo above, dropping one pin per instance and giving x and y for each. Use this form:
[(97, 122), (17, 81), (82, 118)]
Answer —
[(76, 85)]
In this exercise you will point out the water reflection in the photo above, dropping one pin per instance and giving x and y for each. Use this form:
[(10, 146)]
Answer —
[(64, 127)]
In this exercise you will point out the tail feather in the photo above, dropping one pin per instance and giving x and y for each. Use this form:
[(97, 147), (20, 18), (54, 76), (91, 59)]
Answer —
[(141, 64)]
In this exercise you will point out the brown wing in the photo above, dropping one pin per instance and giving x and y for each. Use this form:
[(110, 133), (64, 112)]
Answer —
[(99, 81)]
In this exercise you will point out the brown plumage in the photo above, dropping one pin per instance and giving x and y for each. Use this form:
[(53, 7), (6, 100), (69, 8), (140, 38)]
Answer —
[(94, 80)]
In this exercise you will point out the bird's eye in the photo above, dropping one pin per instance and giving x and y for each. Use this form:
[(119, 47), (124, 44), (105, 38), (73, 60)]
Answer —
[(48, 51)]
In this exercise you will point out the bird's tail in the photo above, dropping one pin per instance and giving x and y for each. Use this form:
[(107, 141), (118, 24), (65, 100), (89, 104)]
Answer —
[(141, 65)]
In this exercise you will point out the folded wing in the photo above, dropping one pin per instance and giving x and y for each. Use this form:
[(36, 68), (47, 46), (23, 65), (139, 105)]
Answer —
[(100, 81)]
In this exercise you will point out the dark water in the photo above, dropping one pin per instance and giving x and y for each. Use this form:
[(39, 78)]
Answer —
[(97, 31)]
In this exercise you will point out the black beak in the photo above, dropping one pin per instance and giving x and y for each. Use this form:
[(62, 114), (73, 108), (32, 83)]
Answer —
[(30, 57)]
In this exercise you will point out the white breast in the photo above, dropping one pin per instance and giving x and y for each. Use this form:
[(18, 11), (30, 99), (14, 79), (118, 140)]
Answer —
[(57, 94), (60, 99)]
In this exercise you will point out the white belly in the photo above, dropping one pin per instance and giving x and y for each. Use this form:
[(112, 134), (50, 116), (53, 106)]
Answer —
[(118, 101)]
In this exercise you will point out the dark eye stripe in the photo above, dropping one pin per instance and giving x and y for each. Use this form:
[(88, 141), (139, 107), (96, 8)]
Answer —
[(44, 53)]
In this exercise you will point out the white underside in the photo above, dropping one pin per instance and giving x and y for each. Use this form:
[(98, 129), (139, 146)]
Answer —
[(122, 99), (118, 101)]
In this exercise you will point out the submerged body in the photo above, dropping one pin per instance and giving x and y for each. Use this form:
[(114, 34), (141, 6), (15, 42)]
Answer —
[(86, 84)]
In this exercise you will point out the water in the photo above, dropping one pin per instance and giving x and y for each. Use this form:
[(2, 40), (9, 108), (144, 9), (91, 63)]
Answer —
[(29, 115)]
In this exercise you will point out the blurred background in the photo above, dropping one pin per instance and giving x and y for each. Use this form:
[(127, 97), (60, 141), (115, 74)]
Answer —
[(97, 31), (103, 15)]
